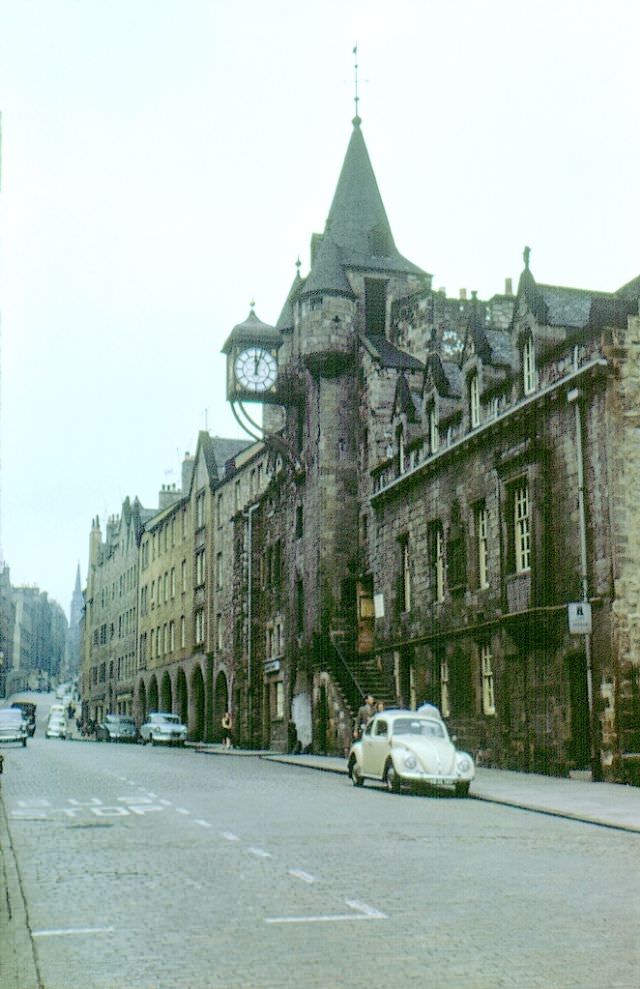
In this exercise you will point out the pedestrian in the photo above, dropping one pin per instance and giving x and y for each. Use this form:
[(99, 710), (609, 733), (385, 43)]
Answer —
[(379, 706), (227, 725), (365, 713)]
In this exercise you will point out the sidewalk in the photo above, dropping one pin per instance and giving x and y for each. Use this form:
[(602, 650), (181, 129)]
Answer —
[(610, 805)]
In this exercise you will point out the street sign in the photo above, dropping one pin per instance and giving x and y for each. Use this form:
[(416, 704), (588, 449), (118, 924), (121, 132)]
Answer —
[(579, 618)]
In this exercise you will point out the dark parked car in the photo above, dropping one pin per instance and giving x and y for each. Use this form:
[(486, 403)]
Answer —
[(29, 715), (117, 728)]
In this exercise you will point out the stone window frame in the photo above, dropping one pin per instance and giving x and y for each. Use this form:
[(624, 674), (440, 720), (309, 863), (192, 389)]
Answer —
[(528, 364), (437, 560), (481, 534), (473, 392)]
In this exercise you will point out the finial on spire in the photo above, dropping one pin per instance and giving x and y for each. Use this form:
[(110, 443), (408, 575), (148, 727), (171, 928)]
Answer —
[(298, 265), (525, 257), (356, 99), (252, 304)]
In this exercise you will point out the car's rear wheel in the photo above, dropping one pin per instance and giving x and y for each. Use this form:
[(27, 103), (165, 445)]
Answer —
[(152, 739), (356, 776), (392, 779), (462, 788), (24, 743)]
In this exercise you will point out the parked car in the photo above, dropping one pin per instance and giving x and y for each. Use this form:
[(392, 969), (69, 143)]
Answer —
[(56, 726), (117, 728), (29, 714), (162, 728), (13, 727), (402, 747)]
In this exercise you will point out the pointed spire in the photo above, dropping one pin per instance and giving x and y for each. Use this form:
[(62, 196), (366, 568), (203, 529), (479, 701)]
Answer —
[(357, 221), (78, 586)]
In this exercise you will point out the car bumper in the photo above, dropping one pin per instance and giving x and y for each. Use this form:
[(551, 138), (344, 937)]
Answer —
[(13, 736), (417, 778)]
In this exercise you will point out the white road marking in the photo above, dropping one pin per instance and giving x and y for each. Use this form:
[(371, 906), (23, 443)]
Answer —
[(203, 824), (259, 853), (365, 909), (149, 793), (167, 803), (72, 930), (301, 874), (230, 836), (182, 810), (364, 912)]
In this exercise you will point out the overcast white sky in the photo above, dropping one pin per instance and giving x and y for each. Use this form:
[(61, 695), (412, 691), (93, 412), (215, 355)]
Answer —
[(166, 161)]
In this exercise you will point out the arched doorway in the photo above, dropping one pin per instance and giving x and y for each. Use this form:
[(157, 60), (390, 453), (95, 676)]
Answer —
[(142, 703), (153, 694), (220, 702), (182, 700), (166, 701), (196, 721)]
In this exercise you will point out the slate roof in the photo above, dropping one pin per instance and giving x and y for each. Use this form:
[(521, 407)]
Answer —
[(389, 355), (286, 318), (224, 450), (327, 273), (357, 221), (501, 346)]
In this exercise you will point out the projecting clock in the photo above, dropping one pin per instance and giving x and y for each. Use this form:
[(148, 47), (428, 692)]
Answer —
[(256, 369)]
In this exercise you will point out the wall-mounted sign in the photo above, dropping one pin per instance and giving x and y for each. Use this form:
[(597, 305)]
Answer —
[(579, 618), (378, 605), (272, 666)]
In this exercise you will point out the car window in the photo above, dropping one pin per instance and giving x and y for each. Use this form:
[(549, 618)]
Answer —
[(369, 728), (382, 728), (418, 726)]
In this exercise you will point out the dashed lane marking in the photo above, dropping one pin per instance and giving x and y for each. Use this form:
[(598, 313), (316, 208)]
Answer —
[(301, 874), (203, 824), (230, 836), (259, 853), (182, 810)]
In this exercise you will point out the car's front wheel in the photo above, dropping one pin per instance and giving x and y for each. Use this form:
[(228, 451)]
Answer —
[(392, 779), (152, 739), (24, 743), (356, 775), (462, 788)]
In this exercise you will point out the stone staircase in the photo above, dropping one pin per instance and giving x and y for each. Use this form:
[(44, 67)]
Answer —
[(358, 675)]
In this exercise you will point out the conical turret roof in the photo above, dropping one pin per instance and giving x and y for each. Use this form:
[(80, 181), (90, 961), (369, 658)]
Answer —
[(357, 221)]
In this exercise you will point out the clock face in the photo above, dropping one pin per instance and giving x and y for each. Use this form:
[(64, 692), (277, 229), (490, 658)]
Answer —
[(256, 369)]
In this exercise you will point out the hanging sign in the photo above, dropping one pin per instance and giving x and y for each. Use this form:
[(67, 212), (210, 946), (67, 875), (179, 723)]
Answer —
[(579, 618)]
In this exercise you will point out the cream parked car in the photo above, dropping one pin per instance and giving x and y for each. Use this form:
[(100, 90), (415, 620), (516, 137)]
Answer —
[(408, 748), (163, 729)]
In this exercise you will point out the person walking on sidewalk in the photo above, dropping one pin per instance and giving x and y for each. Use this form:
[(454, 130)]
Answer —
[(365, 713), (227, 725)]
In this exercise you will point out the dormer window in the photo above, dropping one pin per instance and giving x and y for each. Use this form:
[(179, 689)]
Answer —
[(529, 371), (474, 400)]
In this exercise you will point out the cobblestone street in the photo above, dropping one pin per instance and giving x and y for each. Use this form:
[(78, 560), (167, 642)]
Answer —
[(164, 869)]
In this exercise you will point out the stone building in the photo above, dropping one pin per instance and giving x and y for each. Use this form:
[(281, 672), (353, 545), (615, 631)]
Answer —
[(441, 506), (111, 614), (456, 487), (185, 660)]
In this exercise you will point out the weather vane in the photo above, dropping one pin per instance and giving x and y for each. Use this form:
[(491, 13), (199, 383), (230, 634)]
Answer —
[(355, 68)]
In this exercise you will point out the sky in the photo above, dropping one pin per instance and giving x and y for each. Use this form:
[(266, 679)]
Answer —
[(165, 162)]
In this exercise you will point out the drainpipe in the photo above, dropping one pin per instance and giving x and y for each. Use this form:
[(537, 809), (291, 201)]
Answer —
[(249, 516), (574, 397)]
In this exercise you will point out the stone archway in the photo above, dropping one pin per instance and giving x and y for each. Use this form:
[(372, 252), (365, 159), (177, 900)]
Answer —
[(142, 708), (196, 706), (182, 698), (153, 694), (220, 702), (166, 699)]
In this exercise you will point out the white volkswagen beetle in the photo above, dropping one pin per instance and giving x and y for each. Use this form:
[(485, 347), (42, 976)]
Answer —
[(406, 747)]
